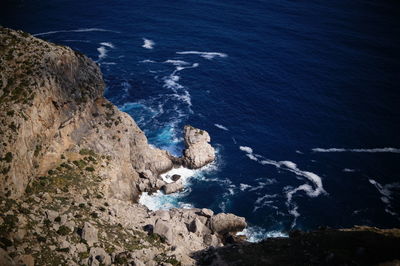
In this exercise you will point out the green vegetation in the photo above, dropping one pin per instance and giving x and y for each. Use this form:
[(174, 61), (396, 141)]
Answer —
[(63, 230)]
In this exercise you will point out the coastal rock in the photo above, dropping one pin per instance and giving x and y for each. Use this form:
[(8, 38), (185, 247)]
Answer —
[(173, 187), (175, 177), (198, 151), (223, 223)]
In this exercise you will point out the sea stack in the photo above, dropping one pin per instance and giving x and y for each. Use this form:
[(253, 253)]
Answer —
[(198, 151)]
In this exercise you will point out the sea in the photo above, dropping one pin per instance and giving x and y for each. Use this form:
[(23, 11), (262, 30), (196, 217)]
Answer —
[(301, 99)]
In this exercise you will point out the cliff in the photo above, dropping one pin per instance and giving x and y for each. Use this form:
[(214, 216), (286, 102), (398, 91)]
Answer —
[(72, 167)]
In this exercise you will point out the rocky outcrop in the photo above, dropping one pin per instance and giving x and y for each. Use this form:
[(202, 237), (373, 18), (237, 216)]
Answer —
[(224, 223), (173, 187), (198, 152)]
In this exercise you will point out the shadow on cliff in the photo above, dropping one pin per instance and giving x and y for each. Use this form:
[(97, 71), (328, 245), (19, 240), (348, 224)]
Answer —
[(355, 246)]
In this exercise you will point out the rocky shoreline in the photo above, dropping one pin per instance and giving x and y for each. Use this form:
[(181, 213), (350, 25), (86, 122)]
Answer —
[(75, 163), (72, 168)]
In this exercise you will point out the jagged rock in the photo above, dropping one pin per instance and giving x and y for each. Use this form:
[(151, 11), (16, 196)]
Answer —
[(223, 223), (51, 215), (175, 177), (206, 212), (89, 234), (164, 230), (199, 228), (198, 151), (99, 256), (173, 187)]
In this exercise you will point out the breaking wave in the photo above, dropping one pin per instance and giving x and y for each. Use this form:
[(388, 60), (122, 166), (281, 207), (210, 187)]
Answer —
[(206, 55), (312, 189), (256, 234)]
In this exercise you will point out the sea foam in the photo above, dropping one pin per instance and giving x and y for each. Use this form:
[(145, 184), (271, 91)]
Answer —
[(206, 55), (148, 44), (76, 30)]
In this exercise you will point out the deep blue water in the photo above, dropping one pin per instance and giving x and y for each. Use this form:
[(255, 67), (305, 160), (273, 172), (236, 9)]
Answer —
[(287, 77)]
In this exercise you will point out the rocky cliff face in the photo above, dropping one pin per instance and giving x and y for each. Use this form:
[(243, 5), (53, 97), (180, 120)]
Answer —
[(51, 102), (72, 166)]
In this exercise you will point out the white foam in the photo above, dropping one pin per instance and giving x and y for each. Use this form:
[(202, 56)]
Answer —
[(77, 30), (243, 187), (102, 52), (221, 127), (375, 150), (206, 55), (313, 190), (148, 44), (348, 170), (387, 195), (108, 44), (256, 234), (185, 174), (176, 62), (246, 149)]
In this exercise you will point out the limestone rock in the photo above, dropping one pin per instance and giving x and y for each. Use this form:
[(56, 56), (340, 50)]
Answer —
[(223, 223), (89, 234), (164, 230), (198, 151), (206, 212), (99, 256), (173, 187)]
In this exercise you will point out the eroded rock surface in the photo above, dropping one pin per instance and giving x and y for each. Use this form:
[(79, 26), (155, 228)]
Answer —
[(198, 151)]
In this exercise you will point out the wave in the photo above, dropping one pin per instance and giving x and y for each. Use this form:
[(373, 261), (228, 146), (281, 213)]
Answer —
[(387, 195), (176, 62), (312, 190), (108, 44), (76, 30), (221, 127), (102, 53), (256, 234), (148, 44), (206, 55), (375, 150)]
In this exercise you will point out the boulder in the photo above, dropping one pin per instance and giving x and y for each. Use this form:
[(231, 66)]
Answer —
[(164, 230), (223, 223), (89, 234), (206, 212), (198, 151), (173, 187)]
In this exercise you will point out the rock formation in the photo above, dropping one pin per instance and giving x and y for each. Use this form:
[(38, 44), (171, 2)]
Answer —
[(72, 167), (198, 151)]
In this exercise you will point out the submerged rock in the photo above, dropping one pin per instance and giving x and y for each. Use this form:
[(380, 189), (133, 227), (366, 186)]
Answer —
[(198, 151)]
